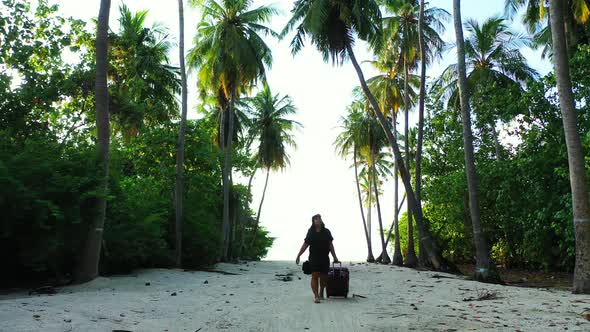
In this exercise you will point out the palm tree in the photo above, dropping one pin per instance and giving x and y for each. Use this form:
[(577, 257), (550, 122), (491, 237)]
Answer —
[(536, 18), (179, 187), (331, 26), (387, 88), (493, 56), (88, 265), (231, 57), (144, 85), (348, 142), (402, 36), (272, 129), (385, 166), (378, 165), (484, 266), (581, 206)]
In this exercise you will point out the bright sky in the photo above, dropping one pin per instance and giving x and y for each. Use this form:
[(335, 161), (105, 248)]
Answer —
[(317, 181)]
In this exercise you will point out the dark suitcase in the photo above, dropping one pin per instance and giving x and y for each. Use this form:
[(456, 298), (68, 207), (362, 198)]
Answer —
[(338, 279)]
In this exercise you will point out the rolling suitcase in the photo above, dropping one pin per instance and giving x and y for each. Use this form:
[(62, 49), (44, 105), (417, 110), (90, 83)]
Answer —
[(338, 279)]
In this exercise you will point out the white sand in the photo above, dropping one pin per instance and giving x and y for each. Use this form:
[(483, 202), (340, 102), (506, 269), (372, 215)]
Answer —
[(397, 299)]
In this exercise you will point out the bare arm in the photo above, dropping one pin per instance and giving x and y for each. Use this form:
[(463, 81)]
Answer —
[(301, 251), (333, 253)]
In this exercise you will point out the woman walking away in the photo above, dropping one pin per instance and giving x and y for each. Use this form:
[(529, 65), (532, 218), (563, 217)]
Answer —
[(319, 240)]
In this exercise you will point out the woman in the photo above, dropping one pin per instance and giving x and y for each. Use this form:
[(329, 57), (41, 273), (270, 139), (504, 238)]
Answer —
[(319, 240)]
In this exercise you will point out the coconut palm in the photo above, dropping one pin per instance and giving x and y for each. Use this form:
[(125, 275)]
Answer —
[(379, 166), (332, 26), (179, 186), (485, 270), (402, 40), (88, 266), (376, 166), (493, 56), (144, 85), (536, 18), (230, 57), (272, 129), (348, 142), (388, 88), (363, 136), (575, 152)]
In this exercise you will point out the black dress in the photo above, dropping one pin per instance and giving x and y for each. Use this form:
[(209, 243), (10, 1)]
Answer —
[(319, 249)]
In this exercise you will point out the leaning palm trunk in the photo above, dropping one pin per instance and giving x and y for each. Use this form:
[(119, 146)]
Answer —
[(257, 222), (433, 253), (384, 257), (88, 265), (484, 270), (581, 207), (411, 259), (370, 257), (179, 187)]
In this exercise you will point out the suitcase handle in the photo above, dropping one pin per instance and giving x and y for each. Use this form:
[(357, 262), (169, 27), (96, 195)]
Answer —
[(333, 264)]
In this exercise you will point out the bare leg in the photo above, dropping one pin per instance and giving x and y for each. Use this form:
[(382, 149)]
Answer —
[(323, 283), (314, 285)]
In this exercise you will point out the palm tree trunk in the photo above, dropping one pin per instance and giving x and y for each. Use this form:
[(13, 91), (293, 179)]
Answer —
[(370, 257), (497, 145), (484, 270), (411, 259), (418, 171), (467, 219), (260, 207), (242, 219), (88, 265), (179, 188), (393, 225), (233, 214), (575, 152), (369, 209), (398, 258), (384, 257), (421, 101), (226, 176), (434, 254)]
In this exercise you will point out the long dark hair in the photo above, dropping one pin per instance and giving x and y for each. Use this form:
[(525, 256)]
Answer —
[(313, 225)]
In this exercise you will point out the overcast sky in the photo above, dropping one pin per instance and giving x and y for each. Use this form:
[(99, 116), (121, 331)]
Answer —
[(317, 180)]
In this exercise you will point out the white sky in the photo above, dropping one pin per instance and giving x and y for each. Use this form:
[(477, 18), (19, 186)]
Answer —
[(317, 181)]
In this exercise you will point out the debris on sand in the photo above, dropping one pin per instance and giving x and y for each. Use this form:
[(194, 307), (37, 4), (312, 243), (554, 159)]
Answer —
[(482, 296), (45, 290), (284, 277)]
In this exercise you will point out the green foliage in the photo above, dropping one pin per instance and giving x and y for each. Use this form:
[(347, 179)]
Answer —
[(46, 198), (35, 80), (525, 195), (403, 235), (47, 152)]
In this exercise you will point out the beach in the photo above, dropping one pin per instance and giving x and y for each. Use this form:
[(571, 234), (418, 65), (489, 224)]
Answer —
[(275, 296)]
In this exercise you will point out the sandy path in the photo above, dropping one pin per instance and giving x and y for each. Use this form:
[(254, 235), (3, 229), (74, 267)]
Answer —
[(397, 299)]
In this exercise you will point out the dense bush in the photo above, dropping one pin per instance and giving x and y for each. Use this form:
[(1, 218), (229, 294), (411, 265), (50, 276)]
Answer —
[(47, 191)]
